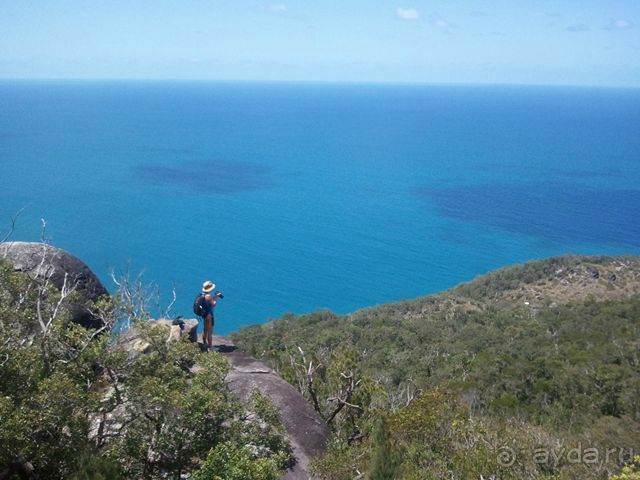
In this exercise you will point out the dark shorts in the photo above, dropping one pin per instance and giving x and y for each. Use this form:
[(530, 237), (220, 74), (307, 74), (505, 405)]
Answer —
[(206, 317)]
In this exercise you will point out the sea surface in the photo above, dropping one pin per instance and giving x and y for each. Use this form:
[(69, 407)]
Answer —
[(294, 197)]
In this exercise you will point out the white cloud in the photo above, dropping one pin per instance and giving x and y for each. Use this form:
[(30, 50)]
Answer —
[(618, 25), (440, 23), (278, 7), (408, 13)]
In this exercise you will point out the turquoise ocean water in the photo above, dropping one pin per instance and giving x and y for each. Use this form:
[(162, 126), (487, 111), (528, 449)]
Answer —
[(293, 197)]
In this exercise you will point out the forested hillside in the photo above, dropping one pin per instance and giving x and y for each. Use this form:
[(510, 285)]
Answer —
[(530, 372)]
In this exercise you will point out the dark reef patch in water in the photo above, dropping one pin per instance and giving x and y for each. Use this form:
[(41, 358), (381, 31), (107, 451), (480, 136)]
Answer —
[(165, 150), (212, 176), (555, 212), (589, 173)]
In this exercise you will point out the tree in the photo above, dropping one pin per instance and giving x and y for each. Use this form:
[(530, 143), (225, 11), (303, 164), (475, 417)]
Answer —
[(386, 460)]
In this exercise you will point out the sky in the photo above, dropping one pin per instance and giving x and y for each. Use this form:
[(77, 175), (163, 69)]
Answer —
[(557, 42)]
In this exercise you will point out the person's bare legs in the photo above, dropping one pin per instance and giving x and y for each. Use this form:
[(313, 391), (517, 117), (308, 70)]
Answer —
[(207, 337), (210, 337)]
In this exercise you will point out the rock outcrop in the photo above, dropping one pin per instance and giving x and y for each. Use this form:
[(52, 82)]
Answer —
[(133, 342), (306, 431), (43, 260)]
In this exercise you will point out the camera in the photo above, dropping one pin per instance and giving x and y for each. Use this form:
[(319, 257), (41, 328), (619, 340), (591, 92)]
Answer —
[(220, 295)]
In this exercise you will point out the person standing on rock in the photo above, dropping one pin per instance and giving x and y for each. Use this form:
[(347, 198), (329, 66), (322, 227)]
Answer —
[(203, 306)]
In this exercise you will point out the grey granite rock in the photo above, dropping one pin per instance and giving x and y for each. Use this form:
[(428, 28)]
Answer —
[(306, 431), (43, 260), (134, 343)]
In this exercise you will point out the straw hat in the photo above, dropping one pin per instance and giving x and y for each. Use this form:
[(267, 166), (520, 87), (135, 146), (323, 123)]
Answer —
[(208, 286)]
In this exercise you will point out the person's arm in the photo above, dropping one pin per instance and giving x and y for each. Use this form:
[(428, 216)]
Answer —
[(212, 299)]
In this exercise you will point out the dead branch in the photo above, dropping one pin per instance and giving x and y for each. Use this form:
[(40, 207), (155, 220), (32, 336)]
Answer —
[(167, 313), (134, 296), (305, 376), (343, 397), (12, 228)]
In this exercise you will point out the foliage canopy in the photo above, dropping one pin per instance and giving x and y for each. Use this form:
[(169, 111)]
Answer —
[(78, 405)]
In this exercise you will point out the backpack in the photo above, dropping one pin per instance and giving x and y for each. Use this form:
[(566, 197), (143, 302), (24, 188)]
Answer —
[(201, 307)]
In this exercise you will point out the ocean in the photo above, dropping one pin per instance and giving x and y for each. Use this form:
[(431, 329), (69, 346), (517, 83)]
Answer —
[(294, 197)]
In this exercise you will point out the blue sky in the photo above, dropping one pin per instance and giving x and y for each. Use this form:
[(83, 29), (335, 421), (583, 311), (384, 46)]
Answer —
[(579, 42)]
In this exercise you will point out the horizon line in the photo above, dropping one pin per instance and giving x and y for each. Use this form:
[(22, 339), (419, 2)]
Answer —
[(313, 82)]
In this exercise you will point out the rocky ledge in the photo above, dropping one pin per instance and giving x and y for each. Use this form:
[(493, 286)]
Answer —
[(306, 431)]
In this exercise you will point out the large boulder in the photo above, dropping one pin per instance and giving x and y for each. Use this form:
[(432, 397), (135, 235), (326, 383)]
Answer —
[(44, 261), (306, 431)]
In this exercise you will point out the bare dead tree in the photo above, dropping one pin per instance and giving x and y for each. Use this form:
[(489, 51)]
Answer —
[(66, 290), (43, 276), (343, 397), (133, 295), (50, 302), (305, 376), (4, 357), (136, 299), (404, 395)]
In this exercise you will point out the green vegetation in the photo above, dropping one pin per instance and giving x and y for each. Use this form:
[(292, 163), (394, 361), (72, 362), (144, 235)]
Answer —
[(629, 472), (488, 379), (78, 405), (530, 372), (385, 462)]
